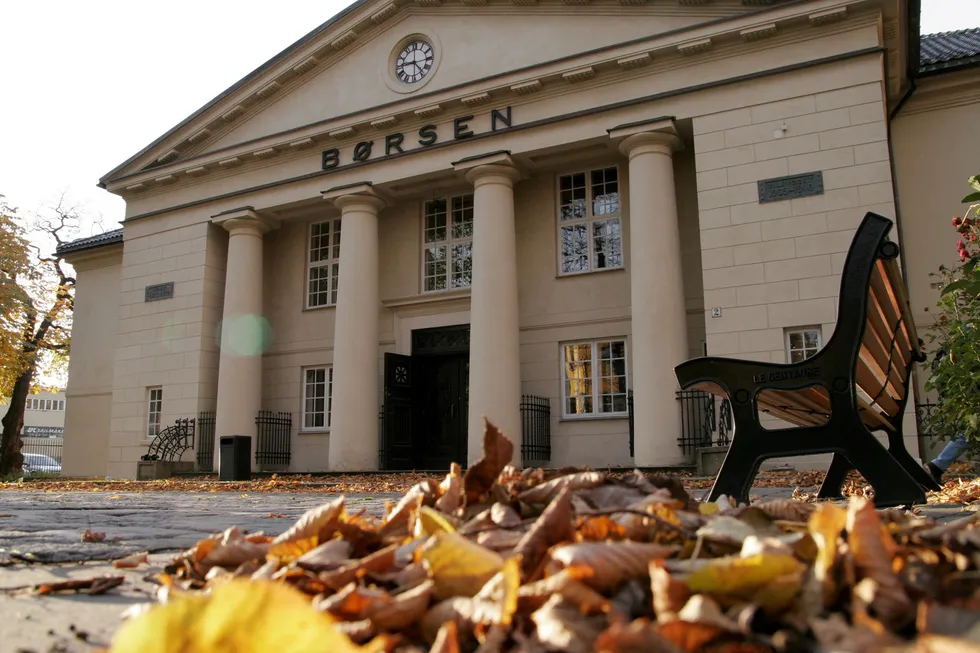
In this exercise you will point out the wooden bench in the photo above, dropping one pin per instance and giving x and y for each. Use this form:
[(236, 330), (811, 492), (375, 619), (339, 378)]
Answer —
[(857, 384)]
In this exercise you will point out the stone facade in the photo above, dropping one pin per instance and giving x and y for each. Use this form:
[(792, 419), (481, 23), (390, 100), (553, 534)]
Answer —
[(686, 108)]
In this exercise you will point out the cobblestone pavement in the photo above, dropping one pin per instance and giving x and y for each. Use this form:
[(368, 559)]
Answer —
[(46, 529)]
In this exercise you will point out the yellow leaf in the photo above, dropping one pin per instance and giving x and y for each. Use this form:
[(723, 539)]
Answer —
[(459, 567), (732, 580), (288, 552), (825, 525), (433, 522), (237, 617), (707, 509)]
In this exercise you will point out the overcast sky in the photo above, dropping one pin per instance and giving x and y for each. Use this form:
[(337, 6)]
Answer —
[(88, 84)]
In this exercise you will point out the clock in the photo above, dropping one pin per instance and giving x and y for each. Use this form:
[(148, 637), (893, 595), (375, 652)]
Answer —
[(414, 62)]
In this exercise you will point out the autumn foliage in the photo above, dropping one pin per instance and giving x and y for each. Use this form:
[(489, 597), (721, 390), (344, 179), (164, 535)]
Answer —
[(498, 559)]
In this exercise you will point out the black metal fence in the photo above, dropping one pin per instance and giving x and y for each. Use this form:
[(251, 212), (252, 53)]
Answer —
[(629, 406), (535, 430), (51, 449), (274, 438), (171, 443), (697, 420), (205, 441)]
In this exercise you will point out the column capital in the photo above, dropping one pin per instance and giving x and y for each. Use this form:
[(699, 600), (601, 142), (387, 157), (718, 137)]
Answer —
[(361, 193), (245, 220), (657, 135), (493, 167)]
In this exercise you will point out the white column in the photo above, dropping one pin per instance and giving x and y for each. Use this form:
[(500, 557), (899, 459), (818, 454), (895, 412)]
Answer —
[(659, 322), (244, 329), (495, 357), (354, 420)]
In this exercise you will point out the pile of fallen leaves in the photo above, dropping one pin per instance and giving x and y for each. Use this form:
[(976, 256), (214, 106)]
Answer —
[(509, 560)]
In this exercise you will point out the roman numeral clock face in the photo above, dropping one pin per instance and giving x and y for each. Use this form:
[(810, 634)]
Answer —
[(414, 62)]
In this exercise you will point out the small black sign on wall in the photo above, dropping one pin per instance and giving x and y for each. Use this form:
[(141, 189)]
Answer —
[(788, 188), (159, 291)]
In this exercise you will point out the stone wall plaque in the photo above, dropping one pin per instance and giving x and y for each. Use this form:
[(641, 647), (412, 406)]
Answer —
[(159, 291), (791, 187)]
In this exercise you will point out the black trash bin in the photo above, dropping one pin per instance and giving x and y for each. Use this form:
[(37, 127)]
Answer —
[(235, 458)]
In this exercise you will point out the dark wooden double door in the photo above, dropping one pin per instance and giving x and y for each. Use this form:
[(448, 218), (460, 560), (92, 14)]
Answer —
[(426, 402)]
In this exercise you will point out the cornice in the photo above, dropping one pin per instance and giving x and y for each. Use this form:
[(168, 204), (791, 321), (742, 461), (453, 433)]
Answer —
[(768, 27), (948, 91)]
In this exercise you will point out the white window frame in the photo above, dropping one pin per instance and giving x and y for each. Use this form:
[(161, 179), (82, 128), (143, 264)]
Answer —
[(154, 409), (333, 248), (597, 412), (328, 399), (589, 220), (450, 242), (802, 331)]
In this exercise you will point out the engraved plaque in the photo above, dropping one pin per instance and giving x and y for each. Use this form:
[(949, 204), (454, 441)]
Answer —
[(159, 291), (787, 188)]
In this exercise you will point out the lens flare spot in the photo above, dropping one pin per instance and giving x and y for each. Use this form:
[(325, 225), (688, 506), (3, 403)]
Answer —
[(245, 335)]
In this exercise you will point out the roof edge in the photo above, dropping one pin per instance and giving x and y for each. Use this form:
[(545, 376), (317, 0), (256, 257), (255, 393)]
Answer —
[(237, 85), (113, 237)]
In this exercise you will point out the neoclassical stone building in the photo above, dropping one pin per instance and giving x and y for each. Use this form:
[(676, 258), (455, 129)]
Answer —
[(426, 210)]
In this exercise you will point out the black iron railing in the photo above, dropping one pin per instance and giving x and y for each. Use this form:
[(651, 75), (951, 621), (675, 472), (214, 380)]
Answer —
[(726, 423), (171, 443), (697, 420), (205, 441), (923, 417), (535, 430), (51, 449), (382, 450), (629, 406), (274, 438)]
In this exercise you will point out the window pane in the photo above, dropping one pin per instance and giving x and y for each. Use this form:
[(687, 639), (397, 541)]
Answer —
[(463, 216), (462, 265), (435, 268), (574, 248), (605, 192), (796, 356), (572, 198), (319, 242), (811, 339), (435, 220), (612, 375), (795, 340), (608, 244)]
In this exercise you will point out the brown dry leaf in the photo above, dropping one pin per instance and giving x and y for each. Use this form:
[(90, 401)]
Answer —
[(835, 634), (787, 509), (937, 619), (318, 522), (131, 561), (459, 566), (727, 530), (552, 527), (328, 555), (669, 593), (352, 602), (91, 585), (91, 536), (547, 491), (494, 639), (504, 516), (659, 505), (466, 613), (430, 521), (446, 641), (497, 454), (688, 636), (639, 636), (567, 584), (451, 489), (424, 494), (612, 562), (499, 540), (944, 644), (873, 551), (561, 627), (379, 561), (402, 610), (230, 550)]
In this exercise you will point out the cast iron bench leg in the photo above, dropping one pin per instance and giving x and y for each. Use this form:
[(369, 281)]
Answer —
[(893, 485), (840, 466), (737, 471)]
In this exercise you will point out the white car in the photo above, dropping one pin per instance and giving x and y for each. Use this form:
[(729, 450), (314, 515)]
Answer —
[(36, 463)]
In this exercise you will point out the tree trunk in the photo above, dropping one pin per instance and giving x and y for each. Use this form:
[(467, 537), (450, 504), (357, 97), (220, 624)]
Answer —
[(11, 460)]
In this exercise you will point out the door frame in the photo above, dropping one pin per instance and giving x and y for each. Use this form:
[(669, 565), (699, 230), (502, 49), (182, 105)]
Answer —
[(405, 325)]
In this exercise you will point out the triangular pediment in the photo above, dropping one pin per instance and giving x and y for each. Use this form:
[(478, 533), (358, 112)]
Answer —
[(344, 67)]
